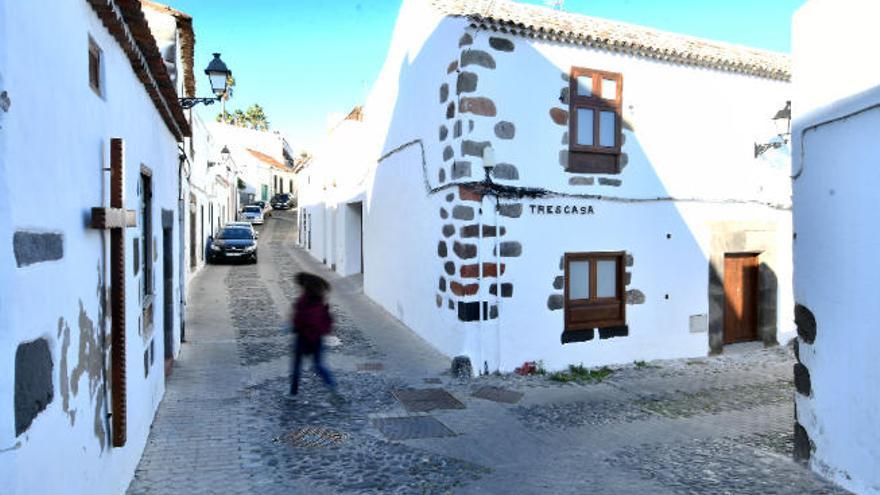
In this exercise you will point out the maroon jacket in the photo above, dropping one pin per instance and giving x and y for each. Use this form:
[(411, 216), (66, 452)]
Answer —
[(311, 318)]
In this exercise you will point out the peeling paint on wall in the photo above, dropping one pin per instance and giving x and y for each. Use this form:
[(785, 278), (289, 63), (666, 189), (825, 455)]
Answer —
[(89, 362)]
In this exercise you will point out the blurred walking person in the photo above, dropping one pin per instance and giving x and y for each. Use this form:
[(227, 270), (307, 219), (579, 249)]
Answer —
[(311, 322)]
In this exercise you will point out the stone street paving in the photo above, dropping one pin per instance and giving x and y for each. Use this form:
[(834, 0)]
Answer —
[(712, 425)]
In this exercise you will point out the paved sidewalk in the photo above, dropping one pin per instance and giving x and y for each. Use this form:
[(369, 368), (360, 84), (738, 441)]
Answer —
[(713, 425)]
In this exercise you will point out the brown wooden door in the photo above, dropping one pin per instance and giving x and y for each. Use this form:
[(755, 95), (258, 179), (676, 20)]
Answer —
[(741, 298)]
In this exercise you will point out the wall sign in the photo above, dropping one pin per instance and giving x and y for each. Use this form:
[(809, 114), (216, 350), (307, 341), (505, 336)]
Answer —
[(561, 210)]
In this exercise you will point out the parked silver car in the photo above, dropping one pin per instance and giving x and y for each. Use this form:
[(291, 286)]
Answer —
[(252, 214)]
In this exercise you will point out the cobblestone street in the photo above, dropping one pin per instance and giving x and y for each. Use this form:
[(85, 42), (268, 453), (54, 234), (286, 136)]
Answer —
[(712, 425)]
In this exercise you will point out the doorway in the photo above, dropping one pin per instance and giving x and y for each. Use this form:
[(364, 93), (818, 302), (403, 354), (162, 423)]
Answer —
[(740, 297), (168, 296), (354, 238)]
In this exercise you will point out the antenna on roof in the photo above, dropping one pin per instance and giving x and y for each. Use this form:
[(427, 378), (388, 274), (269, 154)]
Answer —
[(555, 4)]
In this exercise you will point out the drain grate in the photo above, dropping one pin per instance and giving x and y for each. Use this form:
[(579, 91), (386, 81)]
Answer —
[(498, 394), (426, 399), (315, 437), (412, 427)]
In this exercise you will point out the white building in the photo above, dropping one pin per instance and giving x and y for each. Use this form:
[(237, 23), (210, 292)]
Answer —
[(625, 196), (330, 195), (835, 183), (89, 222), (264, 160)]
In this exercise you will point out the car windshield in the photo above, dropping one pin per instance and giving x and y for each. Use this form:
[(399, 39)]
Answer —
[(251, 209), (282, 197), (235, 234)]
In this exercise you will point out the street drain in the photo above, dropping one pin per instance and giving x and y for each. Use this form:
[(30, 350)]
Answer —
[(315, 437)]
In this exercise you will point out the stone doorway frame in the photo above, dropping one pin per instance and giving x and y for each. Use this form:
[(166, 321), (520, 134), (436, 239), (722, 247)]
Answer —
[(744, 237)]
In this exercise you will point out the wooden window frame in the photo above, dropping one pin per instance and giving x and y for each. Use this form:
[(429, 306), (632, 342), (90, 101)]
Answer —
[(595, 158), (600, 312), (95, 60)]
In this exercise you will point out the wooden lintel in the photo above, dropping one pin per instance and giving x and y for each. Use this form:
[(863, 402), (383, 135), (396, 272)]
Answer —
[(104, 218)]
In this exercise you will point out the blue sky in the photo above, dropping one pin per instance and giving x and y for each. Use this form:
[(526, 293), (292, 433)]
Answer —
[(302, 59)]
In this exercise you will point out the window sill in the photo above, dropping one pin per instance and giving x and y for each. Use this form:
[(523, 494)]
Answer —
[(586, 334), (593, 162)]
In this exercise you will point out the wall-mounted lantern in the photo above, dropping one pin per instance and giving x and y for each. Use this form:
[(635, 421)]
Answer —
[(218, 76), (782, 121)]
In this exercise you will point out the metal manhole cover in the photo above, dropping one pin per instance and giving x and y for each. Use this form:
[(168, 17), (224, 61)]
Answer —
[(498, 394), (426, 399), (412, 427), (370, 366), (315, 436)]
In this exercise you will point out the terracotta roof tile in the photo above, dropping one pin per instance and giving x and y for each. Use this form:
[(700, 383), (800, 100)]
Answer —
[(269, 160), (541, 22)]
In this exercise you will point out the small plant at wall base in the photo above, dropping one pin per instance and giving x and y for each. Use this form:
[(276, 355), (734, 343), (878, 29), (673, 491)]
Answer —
[(241, 184), (580, 374)]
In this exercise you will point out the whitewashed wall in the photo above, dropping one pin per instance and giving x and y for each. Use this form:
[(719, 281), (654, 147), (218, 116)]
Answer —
[(836, 179), (701, 153), (57, 135)]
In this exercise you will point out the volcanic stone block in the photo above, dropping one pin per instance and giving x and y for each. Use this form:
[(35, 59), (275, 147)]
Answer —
[(469, 231), (803, 446), (505, 130), (465, 251), (448, 153), (578, 336), (510, 210), (463, 290), (474, 148), (604, 181), (461, 169), (438, 299), (802, 379), (449, 268), (450, 197), (559, 116), (477, 57), (33, 382), (441, 175), (444, 93), (806, 323), (441, 249), (465, 40), (461, 212), (559, 282), (444, 132), (453, 66), (635, 296), (442, 284), (555, 302), (505, 171), (450, 110), (448, 230), (467, 193), (510, 249), (32, 247), (564, 96), (610, 332), (506, 290), (469, 311), (501, 44), (580, 181), (443, 213), (478, 105), (466, 82)]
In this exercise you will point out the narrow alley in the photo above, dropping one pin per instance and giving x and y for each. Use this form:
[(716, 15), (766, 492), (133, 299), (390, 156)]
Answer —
[(712, 425)]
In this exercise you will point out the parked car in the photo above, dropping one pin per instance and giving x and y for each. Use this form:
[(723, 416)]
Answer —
[(262, 204), (253, 214), (282, 202), (234, 243), (245, 225)]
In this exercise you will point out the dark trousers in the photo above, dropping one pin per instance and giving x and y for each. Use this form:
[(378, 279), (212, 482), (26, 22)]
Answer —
[(305, 347)]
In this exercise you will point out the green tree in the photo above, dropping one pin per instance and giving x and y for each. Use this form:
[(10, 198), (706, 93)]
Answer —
[(252, 118)]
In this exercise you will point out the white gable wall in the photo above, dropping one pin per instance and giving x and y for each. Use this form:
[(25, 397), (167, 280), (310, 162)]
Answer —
[(56, 138), (836, 178)]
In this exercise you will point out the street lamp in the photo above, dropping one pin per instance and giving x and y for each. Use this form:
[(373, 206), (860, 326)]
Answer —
[(224, 154), (782, 121), (218, 76)]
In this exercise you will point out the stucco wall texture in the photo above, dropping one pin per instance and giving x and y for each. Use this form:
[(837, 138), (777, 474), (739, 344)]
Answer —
[(55, 147)]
